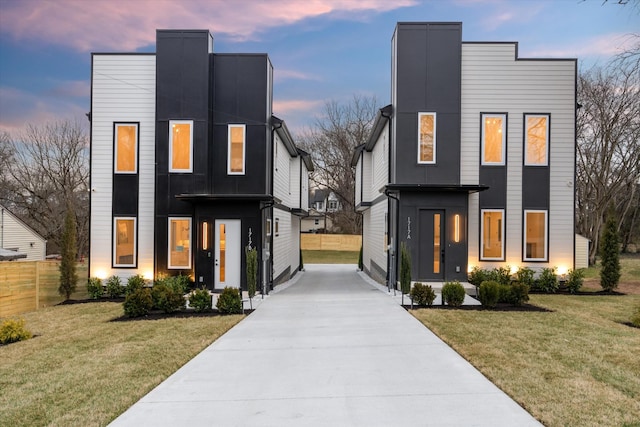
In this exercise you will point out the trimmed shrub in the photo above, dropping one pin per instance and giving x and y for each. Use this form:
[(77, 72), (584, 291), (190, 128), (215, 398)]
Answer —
[(134, 283), (229, 301), (548, 281), (138, 303), (635, 319), (575, 279), (114, 287), (200, 300), (489, 293), (94, 288), (453, 293), (422, 294), (501, 275), (166, 298), (610, 256), (405, 269), (13, 330), (525, 276), (518, 293), (178, 283), (477, 275)]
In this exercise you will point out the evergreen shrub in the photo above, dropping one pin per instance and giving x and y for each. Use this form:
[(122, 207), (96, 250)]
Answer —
[(95, 288), (229, 301), (138, 303), (422, 294), (13, 330), (453, 293)]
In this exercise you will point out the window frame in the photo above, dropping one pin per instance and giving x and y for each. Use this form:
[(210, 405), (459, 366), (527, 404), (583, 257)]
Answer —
[(483, 117), (179, 267), (244, 148), (116, 126), (546, 235), (190, 168), (526, 138), (114, 236), (420, 115), (502, 235)]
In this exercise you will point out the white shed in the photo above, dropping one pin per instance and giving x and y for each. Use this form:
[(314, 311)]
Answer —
[(17, 236), (582, 252)]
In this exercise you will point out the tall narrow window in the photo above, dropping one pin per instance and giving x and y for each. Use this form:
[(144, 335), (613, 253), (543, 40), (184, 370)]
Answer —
[(180, 146), (180, 243), (126, 148), (436, 243), (205, 236), (237, 139), (536, 140), (493, 139), (535, 235), (222, 244), (124, 242), (492, 231), (426, 138)]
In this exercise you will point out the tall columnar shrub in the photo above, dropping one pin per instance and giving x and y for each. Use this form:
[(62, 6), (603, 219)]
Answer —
[(68, 275), (610, 256), (453, 293), (252, 272), (94, 288), (405, 269)]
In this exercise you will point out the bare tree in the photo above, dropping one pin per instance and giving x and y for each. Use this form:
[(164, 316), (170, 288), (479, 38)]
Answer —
[(608, 132), (48, 172), (331, 143)]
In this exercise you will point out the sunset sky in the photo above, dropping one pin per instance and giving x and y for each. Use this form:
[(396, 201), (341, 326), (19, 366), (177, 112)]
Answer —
[(321, 49)]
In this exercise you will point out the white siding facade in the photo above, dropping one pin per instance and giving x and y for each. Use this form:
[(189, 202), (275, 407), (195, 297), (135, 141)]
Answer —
[(16, 235), (123, 90)]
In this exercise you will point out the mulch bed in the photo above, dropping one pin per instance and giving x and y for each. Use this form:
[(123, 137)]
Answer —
[(580, 293), (499, 307)]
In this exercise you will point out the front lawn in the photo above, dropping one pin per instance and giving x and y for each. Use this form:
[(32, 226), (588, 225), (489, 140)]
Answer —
[(330, 257), (577, 366), (83, 370)]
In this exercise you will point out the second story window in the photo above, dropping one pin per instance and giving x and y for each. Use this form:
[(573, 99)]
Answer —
[(237, 136), (426, 138), (180, 146), (493, 139), (536, 140), (333, 205), (126, 148)]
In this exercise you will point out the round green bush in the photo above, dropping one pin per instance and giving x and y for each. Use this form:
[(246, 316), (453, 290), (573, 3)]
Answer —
[(548, 281), (575, 278), (422, 294), (453, 293), (94, 288), (114, 287), (138, 303), (167, 299), (229, 301), (477, 275), (489, 293), (200, 300), (518, 293), (13, 330), (134, 283)]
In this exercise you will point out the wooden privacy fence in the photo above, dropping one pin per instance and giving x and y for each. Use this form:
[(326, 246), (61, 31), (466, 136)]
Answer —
[(31, 285), (330, 242)]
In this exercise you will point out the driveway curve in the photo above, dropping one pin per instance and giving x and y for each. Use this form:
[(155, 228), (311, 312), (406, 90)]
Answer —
[(329, 350)]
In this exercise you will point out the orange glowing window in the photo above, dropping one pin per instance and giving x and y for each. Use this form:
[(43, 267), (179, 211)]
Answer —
[(426, 138), (237, 135), (180, 243), (535, 235), (126, 148), (124, 242), (536, 140), (180, 145), (493, 139), (492, 244)]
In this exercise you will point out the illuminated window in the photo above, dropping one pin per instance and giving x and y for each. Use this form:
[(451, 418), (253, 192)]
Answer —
[(492, 231), (535, 235), (126, 148), (205, 236), (237, 134), (426, 138), (180, 243), (124, 242), (180, 146), (493, 139), (536, 140)]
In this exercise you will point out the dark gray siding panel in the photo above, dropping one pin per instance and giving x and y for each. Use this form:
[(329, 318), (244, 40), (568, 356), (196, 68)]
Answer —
[(125, 194), (535, 187), (496, 178)]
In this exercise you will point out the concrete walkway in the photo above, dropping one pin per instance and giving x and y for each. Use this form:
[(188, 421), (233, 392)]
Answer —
[(330, 350)]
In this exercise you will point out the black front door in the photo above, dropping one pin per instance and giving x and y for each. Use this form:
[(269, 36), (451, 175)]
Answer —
[(431, 257), (205, 255)]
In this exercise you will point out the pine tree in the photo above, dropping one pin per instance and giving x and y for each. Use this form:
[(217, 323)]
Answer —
[(610, 255), (68, 275)]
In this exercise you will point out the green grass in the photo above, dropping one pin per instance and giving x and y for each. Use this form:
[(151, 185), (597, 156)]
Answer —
[(577, 366), (630, 268), (83, 370), (330, 257)]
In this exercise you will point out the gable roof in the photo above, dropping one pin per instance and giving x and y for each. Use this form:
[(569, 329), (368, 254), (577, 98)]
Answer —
[(4, 210)]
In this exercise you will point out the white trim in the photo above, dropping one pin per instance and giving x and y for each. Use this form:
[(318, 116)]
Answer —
[(546, 235), (268, 227), (244, 148), (180, 218), (135, 241), (420, 115), (546, 158), (115, 148), (483, 117), (181, 122), (502, 234)]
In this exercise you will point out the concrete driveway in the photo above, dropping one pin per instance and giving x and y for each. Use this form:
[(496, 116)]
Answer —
[(330, 350)]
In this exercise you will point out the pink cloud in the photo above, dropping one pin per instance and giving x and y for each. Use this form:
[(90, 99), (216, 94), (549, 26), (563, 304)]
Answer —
[(125, 25), (604, 45), (280, 75), (282, 107)]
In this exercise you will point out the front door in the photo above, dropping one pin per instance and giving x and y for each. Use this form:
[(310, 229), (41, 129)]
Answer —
[(431, 263), (227, 253), (205, 258)]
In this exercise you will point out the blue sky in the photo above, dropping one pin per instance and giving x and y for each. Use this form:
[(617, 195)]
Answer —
[(321, 49)]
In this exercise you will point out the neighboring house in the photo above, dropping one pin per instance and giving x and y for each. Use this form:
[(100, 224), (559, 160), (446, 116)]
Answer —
[(473, 162), (322, 201), (18, 240), (183, 178), (316, 222)]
